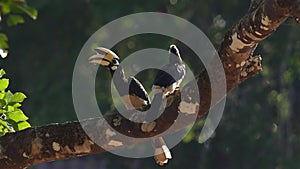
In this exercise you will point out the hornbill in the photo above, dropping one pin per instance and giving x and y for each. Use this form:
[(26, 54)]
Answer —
[(167, 79), (137, 97), (132, 92), (170, 75)]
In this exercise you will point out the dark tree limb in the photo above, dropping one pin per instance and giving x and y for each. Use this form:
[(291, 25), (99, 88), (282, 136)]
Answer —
[(68, 140)]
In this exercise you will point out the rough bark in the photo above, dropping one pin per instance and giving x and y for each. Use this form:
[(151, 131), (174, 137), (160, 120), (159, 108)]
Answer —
[(68, 140)]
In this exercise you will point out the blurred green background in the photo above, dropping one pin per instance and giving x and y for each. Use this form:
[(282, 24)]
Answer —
[(259, 128)]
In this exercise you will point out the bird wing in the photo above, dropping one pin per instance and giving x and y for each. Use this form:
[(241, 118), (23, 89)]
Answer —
[(168, 75), (137, 89)]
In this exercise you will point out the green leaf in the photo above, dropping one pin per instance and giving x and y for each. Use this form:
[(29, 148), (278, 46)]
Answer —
[(3, 41), (3, 84), (5, 7), (10, 108), (32, 12), (3, 103), (1, 130), (16, 105), (23, 125), (13, 20), (189, 137), (7, 127), (2, 94), (17, 116), (18, 97), (8, 96), (2, 72), (3, 123), (3, 37)]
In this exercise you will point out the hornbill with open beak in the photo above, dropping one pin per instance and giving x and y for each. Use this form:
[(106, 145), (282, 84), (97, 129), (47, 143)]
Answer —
[(136, 97), (167, 80)]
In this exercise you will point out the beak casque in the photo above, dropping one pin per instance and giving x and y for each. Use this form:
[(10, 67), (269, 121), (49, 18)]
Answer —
[(99, 59), (103, 56)]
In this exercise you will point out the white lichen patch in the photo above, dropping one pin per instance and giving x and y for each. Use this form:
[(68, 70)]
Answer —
[(188, 108), (148, 127), (253, 37), (83, 148), (237, 44), (257, 61), (244, 73), (115, 143), (25, 155), (55, 146), (257, 58), (265, 20), (109, 133), (117, 121), (264, 28), (243, 63), (91, 142), (258, 33), (251, 69)]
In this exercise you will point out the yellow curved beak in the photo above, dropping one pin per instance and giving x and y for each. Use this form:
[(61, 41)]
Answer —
[(103, 56)]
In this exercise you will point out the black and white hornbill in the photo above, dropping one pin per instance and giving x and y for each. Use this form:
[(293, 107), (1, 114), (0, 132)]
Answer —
[(167, 79), (165, 83), (170, 75), (132, 92)]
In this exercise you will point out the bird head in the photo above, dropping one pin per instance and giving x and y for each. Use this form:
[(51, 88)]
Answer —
[(174, 54), (106, 58)]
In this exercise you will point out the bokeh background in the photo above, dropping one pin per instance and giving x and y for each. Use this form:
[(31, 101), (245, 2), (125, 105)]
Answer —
[(260, 127)]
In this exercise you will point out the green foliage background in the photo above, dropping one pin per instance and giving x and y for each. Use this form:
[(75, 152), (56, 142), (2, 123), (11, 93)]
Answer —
[(12, 117), (259, 129)]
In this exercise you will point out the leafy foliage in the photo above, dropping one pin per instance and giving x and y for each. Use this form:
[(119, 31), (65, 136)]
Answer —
[(12, 117), (11, 10)]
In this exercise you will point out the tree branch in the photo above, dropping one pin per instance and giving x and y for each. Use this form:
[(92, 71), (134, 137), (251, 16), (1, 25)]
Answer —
[(68, 140)]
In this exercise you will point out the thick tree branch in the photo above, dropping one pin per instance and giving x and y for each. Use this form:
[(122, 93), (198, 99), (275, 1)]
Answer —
[(61, 141)]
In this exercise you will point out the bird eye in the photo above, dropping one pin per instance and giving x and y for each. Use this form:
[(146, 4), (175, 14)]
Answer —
[(115, 61)]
